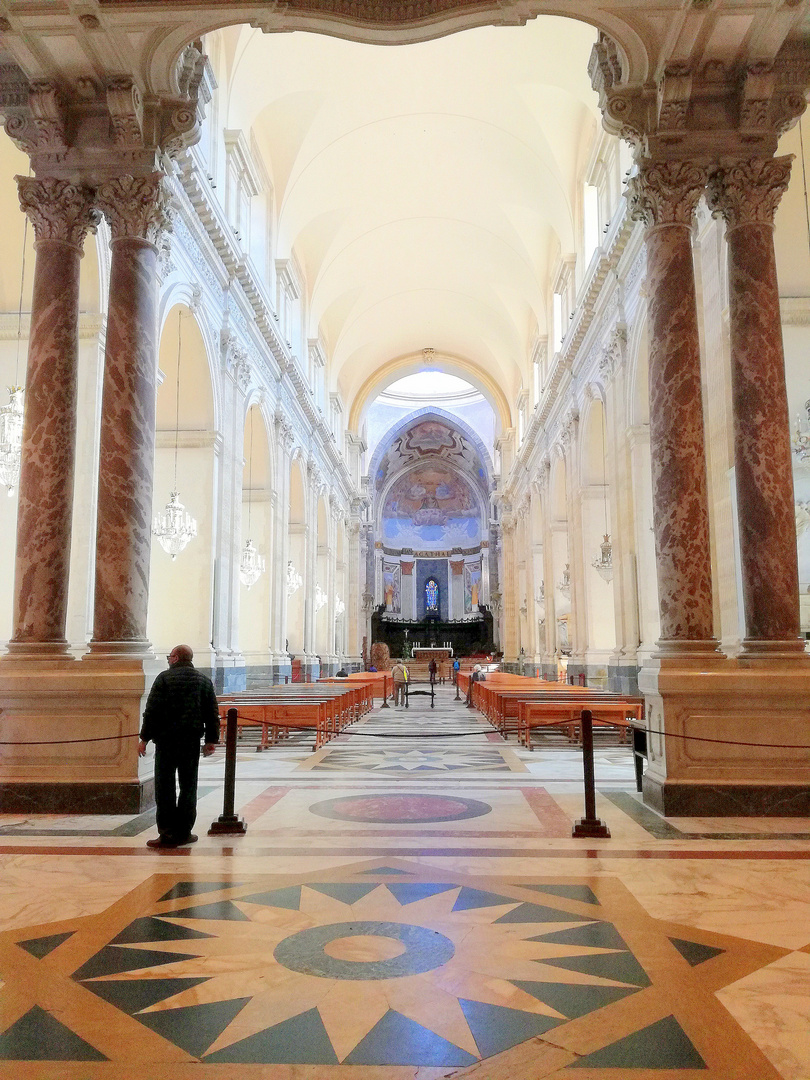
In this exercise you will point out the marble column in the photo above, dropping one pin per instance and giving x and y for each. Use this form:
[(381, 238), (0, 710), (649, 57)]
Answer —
[(746, 195), (135, 209), (664, 195), (61, 215)]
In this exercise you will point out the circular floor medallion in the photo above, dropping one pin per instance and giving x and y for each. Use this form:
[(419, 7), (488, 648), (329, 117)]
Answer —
[(400, 809), (306, 951)]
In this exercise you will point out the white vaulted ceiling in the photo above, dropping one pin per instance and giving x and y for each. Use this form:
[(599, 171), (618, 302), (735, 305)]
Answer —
[(425, 190)]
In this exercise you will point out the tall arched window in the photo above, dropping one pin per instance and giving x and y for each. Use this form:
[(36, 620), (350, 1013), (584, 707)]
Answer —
[(431, 597)]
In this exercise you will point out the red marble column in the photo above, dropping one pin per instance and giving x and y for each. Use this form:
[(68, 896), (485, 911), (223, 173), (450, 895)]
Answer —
[(135, 209), (664, 196), (746, 195), (61, 215)]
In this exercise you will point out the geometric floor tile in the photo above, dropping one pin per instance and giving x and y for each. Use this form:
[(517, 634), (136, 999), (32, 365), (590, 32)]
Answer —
[(38, 1036), (362, 967), (663, 1045)]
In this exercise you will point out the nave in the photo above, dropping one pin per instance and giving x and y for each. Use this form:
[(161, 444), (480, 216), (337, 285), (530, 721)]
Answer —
[(410, 907)]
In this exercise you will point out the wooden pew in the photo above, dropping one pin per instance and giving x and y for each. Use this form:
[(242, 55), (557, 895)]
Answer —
[(325, 709), (618, 711)]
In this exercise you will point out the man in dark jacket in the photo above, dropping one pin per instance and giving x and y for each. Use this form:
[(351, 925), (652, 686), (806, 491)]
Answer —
[(180, 709)]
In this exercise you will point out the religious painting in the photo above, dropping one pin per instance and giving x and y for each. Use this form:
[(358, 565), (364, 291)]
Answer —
[(392, 579), (433, 507), (431, 438), (472, 587)]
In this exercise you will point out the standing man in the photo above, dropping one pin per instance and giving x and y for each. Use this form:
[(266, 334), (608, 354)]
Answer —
[(180, 709), (399, 674)]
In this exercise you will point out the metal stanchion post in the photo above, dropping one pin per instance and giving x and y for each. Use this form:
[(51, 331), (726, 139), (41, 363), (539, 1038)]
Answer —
[(228, 822), (458, 698), (590, 825), (407, 681), (385, 704)]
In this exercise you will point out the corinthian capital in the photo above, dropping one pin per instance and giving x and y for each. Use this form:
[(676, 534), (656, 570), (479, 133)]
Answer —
[(666, 192), (749, 191), (135, 206), (58, 209)]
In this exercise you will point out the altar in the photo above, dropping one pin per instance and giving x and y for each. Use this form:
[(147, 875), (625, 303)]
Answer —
[(428, 653)]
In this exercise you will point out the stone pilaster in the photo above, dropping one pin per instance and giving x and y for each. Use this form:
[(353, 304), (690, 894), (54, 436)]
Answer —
[(61, 215), (746, 194), (135, 209), (664, 195)]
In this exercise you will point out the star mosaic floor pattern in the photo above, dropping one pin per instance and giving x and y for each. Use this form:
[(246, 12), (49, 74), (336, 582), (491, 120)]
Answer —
[(382, 925)]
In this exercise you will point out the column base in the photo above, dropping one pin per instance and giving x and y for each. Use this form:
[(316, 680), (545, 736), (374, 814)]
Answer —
[(126, 650), (725, 736), (76, 729), (77, 798), (39, 650), (756, 648), (674, 799)]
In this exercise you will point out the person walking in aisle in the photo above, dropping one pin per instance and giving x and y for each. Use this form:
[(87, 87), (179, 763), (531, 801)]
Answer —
[(180, 710)]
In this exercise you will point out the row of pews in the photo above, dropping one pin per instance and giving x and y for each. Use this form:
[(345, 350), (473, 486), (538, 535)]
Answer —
[(518, 704), (325, 707)]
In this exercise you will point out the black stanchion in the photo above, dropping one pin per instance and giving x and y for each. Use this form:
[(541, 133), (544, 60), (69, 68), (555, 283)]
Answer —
[(407, 706), (228, 823), (590, 825), (385, 704), (458, 698)]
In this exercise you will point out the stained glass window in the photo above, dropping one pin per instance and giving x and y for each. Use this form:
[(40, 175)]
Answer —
[(431, 595)]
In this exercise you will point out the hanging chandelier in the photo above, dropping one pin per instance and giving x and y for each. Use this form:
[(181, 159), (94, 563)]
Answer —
[(564, 584), (251, 563), (11, 428), (340, 607), (603, 563), (294, 579), (320, 598), (174, 526)]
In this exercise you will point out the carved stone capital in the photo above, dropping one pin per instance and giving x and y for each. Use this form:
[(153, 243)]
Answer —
[(58, 209), (749, 192), (135, 206), (666, 192)]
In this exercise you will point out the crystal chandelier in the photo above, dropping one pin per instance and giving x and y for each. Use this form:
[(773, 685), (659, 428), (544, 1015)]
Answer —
[(251, 563), (174, 526), (320, 598), (800, 443), (564, 585), (294, 579), (340, 607), (11, 426), (603, 563)]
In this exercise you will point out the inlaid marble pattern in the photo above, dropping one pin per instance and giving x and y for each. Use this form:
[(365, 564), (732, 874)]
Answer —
[(381, 966)]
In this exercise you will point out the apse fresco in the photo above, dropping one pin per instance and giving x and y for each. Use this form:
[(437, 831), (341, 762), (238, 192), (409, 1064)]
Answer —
[(431, 507), (430, 439)]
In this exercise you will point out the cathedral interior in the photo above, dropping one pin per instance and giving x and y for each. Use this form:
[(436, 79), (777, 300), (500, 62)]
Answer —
[(333, 330)]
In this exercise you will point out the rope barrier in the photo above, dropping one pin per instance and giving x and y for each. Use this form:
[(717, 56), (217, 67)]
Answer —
[(439, 735)]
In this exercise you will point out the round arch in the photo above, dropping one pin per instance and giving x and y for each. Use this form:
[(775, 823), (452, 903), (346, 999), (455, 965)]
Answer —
[(412, 364)]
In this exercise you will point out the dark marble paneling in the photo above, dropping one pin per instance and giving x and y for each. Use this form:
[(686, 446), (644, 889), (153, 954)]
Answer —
[(78, 798), (727, 800)]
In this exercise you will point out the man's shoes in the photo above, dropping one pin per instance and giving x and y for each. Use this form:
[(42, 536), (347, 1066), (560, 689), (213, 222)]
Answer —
[(162, 842), (192, 838)]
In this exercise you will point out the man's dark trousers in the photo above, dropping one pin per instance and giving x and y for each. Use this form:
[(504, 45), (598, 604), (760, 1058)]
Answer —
[(176, 763)]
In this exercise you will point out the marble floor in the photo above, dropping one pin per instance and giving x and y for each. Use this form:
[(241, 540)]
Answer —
[(407, 903)]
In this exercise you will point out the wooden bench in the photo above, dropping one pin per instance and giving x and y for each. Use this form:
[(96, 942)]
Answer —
[(277, 710), (619, 712)]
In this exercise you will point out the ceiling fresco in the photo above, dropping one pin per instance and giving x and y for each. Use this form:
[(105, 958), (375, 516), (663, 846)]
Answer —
[(431, 439)]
